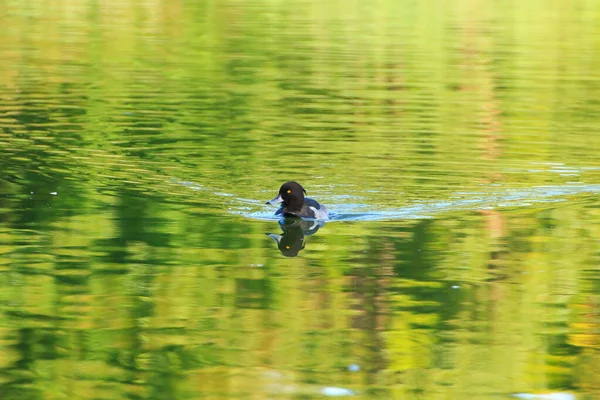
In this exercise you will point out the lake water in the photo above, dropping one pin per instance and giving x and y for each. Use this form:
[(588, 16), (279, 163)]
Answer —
[(456, 143)]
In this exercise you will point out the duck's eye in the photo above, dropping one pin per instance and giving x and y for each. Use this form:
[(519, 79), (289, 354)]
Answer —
[(289, 190), (287, 247)]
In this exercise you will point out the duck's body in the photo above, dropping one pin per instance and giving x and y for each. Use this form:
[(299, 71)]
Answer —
[(310, 209), (291, 194)]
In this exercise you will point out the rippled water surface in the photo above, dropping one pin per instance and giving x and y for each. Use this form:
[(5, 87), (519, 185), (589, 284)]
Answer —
[(456, 144)]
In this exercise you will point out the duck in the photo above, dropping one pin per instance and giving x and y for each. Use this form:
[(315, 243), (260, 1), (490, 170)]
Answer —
[(291, 194)]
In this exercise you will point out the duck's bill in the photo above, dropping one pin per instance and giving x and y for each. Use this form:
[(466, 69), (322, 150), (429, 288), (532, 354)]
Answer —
[(276, 200), (275, 237)]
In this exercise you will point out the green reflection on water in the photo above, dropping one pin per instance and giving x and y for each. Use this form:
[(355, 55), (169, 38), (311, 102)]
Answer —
[(118, 281)]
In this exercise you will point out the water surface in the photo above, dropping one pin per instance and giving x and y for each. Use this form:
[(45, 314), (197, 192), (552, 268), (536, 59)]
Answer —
[(456, 144)]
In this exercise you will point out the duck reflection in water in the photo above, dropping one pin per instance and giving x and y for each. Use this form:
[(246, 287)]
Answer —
[(291, 240)]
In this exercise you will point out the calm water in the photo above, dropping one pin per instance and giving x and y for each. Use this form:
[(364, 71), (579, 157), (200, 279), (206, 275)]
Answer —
[(457, 144)]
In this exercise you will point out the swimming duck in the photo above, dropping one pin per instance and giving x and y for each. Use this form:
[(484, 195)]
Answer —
[(291, 194)]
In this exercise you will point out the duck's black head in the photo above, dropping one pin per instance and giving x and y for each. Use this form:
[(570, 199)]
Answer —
[(291, 194)]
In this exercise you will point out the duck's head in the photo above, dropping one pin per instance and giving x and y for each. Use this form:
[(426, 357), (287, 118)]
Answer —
[(291, 194)]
